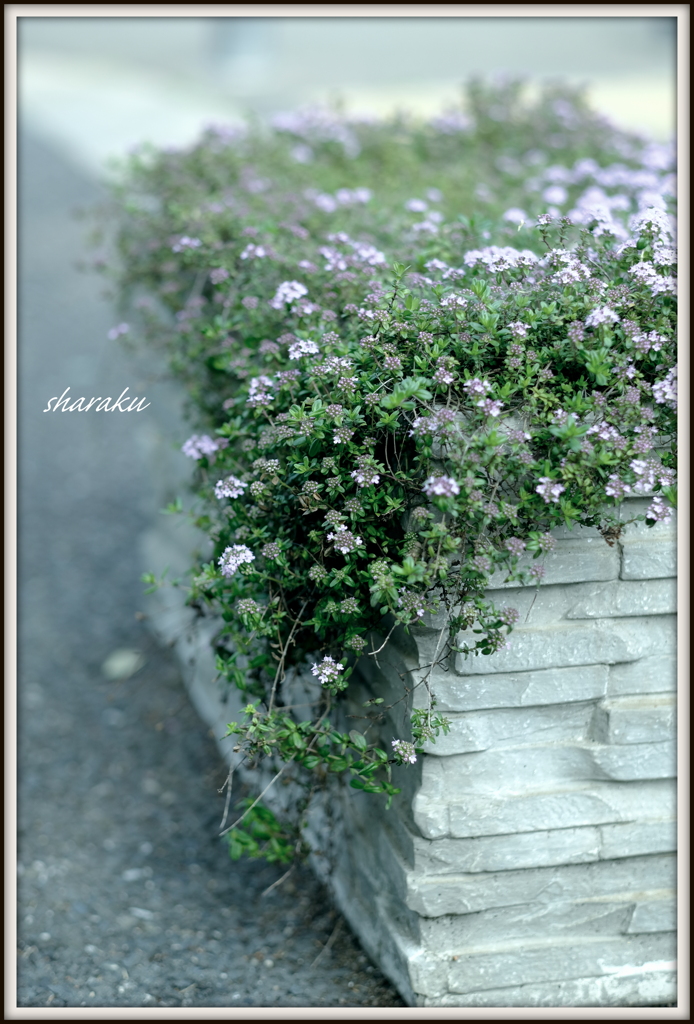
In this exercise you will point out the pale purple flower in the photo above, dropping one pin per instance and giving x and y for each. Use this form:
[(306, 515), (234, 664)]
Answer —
[(258, 391), (288, 292), (436, 265), (303, 348), (250, 302), (556, 195), (354, 506), (499, 258), (344, 540), (116, 332), (647, 274), (549, 490), (658, 510), (411, 603), (348, 384), (441, 421), (515, 545), (393, 363), (665, 391), (514, 215), (325, 202), (342, 435), (218, 275), (186, 243), (616, 488), (601, 315), (416, 205), (546, 542), (538, 572), (198, 446), (234, 557), (518, 329), (248, 606), (405, 751), (349, 606), (271, 550), (328, 671), (490, 407), (443, 376), (518, 436), (365, 474), (509, 616), (477, 387), (441, 486), (482, 563), (232, 487), (369, 254)]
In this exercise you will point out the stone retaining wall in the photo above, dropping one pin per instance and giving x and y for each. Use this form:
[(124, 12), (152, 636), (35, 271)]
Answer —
[(529, 860)]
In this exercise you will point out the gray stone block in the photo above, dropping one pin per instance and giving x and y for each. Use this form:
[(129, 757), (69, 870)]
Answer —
[(634, 761), (435, 895), (502, 727), (450, 933), (640, 719), (654, 674), (649, 553), (633, 838), (655, 915), (506, 853), (645, 986), (606, 641), (648, 559), (526, 768), (601, 803), (558, 686), (577, 560), (638, 530), (554, 960), (620, 598)]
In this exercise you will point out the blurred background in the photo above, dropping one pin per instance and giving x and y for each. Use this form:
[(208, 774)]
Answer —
[(96, 86)]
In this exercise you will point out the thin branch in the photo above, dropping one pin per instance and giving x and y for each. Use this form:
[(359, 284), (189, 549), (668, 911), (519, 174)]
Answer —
[(280, 667), (279, 881), (329, 943), (392, 629), (259, 798)]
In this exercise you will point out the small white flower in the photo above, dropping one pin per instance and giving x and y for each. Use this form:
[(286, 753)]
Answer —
[(234, 557)]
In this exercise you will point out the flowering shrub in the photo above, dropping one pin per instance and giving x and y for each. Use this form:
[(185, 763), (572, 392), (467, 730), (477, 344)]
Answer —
[(404, 409)]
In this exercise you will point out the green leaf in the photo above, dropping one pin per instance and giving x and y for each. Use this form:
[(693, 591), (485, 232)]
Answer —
[(358, 739)]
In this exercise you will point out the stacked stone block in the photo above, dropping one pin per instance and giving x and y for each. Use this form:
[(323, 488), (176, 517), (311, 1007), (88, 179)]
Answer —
[(537, 850), (529, 859)]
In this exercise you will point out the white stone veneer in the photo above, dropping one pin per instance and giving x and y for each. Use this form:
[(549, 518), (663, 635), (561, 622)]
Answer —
[(529, 860)]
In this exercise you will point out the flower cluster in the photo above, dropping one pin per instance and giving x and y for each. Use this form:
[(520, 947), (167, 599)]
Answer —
[(328, 671), (232, 487), (234, 557), (344, 540), (200, 446), (404, 751), (402, 402)]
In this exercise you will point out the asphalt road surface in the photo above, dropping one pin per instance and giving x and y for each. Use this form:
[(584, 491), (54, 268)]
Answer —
[(126, 895)]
